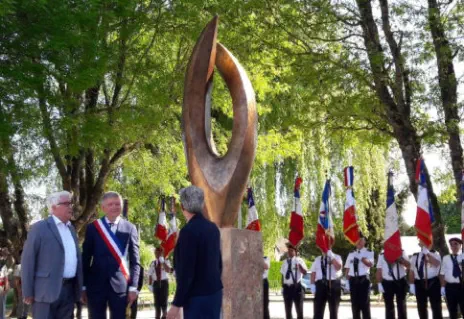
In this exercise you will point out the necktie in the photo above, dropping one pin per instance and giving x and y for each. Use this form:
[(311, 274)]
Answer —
[(289, 269), (420, 271), (158, 270), (356, 266), (324, 267), (456, 269)]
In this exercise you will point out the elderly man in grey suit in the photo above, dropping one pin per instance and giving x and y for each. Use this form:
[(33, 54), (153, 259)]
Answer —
[(51, 274)]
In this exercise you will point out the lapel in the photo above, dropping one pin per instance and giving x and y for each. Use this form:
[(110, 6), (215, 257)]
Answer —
[(54, 229)]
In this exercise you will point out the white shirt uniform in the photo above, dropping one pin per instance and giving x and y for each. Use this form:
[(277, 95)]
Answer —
[(331, 272), (447, 267), (294, 269), (398, 270), (17, 271), (363, 270), (266, 271), (152, 270), (70, 253), (432, 271)]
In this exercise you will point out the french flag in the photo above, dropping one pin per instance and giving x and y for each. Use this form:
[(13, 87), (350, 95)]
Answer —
[(350, 224), (424, 215), (252, 220), (392, 244), (325, 233), (170, 242), (296, 219), (161, 231), (462, 205)]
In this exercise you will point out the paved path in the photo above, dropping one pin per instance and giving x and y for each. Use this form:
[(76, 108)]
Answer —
[(277, 311)]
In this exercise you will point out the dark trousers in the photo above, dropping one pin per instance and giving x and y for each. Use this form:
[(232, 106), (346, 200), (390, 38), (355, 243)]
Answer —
[(325, 294), (360, 299), (62, 308), (161, 294), (293, 294), (134, 308), (398, 289), (100, 299), (204, 307), (266, 299), (454, 297), (433, 294)]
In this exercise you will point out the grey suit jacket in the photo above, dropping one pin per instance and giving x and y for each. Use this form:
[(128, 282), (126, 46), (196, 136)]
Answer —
[(42, 263)]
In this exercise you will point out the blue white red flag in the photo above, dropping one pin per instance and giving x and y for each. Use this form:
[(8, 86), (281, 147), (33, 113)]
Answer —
[(392, 238), (171, 238), (325, 233), (348, 174), (424, 215), (350, 224), (296, 219), (252, 220), (161, 230)]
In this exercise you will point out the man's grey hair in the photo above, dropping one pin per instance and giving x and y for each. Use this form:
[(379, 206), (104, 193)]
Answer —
[(192, 199), (111, 194), (54, 199)]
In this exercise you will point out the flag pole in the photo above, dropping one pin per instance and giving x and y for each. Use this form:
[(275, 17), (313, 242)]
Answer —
[(327, 237)]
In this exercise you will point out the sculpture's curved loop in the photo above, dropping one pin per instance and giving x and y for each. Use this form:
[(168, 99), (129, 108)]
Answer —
[(223, 179)]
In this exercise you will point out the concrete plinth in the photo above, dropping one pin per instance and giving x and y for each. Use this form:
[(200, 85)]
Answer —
[(242, 273)]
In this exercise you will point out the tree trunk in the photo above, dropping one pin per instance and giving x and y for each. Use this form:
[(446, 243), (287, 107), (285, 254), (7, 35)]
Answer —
[(397, 107), (448, 89)]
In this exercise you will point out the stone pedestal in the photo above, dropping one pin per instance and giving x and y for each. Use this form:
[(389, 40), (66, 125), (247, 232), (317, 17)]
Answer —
[(242, 273)]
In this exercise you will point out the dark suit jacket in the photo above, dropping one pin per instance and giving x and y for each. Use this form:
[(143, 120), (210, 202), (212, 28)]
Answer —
[(99, 265), (197, 260), (42, 263)]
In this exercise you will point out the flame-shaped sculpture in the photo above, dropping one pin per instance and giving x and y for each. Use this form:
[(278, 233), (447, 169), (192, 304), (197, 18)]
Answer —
[(223, 179)]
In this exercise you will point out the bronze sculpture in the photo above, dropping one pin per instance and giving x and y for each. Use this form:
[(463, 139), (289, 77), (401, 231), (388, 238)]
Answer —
[(223, 179)]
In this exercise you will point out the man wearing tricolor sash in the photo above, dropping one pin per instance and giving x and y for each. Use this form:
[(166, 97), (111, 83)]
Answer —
[(110, 261)]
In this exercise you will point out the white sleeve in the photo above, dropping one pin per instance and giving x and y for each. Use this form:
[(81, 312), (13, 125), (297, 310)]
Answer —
[(282, 271), (379, 261), (314, 265), (151, 269), (302, 263), (443, 265), (348, 260), (370, 256)]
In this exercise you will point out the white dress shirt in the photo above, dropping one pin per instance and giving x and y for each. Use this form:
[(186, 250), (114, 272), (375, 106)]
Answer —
[(114, 226), (267, 261), (152, 270), (432, 271), (363, 270), (399, 271), (447, 267), (295, 270), (70, 253), (331, 274)]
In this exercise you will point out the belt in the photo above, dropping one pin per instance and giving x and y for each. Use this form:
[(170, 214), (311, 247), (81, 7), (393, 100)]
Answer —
[(68, 280), (358, 277), (428, 279)]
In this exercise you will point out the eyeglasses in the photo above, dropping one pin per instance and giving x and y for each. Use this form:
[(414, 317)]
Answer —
[(65, 204)]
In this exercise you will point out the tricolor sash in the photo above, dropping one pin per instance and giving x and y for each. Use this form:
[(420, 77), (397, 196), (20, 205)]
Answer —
[(113, 244)]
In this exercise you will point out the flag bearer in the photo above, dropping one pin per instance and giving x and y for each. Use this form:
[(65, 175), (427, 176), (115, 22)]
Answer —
[(357, 267), (326, 272), (393, 282), (451, 278), (424, 282)]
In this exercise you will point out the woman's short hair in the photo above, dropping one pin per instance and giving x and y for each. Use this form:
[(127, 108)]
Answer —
[(54, 199), (192, 199)]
